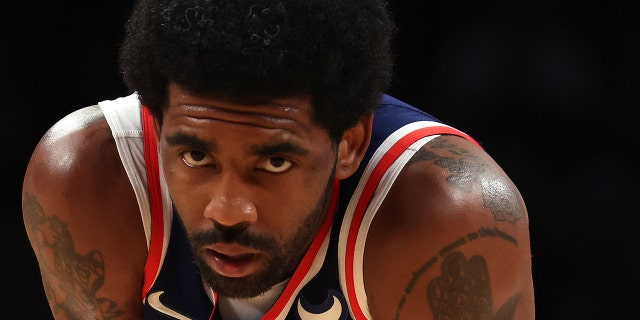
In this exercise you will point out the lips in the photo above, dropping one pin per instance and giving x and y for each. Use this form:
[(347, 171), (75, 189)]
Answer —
[(231, 260)]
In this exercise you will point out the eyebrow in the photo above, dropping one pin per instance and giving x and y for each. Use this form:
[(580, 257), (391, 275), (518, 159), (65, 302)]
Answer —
[(182, 139), (282, 147)]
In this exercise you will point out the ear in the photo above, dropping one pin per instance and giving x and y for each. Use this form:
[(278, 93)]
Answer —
[(353, 146)]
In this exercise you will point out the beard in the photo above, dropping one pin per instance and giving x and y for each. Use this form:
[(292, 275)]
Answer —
[(282, 259)]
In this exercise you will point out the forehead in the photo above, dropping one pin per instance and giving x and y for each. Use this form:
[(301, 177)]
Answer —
[(290, 116), (175, 91)]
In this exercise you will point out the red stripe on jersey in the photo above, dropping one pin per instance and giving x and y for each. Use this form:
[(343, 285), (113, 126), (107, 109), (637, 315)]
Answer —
[(155, 201)]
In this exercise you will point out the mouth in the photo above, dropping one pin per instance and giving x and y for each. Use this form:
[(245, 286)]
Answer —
[(231, 261)]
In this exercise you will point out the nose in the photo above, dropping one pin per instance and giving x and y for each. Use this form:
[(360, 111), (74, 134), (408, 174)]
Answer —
[(230, 204)]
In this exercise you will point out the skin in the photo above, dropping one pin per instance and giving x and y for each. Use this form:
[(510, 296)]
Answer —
[(453, 218)]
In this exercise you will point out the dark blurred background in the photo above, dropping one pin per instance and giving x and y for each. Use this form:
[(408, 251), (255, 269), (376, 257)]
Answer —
[(550, 88)]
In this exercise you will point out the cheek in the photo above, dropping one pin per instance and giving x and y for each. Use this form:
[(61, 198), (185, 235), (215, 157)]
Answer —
[(187, 196), (300, 208), (283, 215), (190, 205)]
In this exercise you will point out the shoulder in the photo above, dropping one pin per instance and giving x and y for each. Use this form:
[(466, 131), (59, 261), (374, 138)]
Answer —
[(82, 217), (80, 148), (72, 148), (456, 172), (452, 215), (69, 141)]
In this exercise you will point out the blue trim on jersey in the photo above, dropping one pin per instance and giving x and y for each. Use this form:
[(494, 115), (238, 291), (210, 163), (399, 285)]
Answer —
[(180, 280)]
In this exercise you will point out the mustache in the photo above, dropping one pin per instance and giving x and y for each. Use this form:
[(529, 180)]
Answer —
[(232, 234)]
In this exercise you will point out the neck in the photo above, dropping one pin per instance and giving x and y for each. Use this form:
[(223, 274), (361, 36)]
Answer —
[(246, 308)]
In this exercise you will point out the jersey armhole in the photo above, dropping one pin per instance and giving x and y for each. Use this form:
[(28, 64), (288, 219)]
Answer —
[(152, 169)]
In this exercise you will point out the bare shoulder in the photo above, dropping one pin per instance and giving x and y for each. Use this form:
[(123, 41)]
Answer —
[(73, 160), (450, 240), (82, 219)]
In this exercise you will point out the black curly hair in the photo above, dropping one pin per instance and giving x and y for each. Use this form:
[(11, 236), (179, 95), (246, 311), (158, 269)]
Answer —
[(336, 51)]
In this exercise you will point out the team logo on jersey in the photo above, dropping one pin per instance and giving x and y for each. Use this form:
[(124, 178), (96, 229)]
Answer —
[(153, 300), (334, 307)]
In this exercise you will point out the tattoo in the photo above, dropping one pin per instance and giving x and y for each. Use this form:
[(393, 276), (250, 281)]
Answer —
[(78, 277), (469, 173), (463, 290)]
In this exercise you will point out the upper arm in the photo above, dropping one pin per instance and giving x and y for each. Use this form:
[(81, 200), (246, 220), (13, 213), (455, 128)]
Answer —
[(83, 222), (451, 238)]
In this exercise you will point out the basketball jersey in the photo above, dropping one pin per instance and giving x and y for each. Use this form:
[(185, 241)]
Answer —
[(328, 282)]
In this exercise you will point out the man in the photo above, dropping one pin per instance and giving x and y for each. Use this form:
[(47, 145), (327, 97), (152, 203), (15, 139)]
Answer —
[(257, 171)]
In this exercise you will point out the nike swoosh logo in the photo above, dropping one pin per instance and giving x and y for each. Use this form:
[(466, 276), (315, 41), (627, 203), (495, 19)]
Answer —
[(333, 313), (153, 300)]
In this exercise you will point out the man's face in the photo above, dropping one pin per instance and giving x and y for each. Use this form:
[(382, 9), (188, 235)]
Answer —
[(250, 183)]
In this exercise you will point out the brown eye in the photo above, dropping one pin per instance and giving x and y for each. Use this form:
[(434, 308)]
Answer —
[(276, 164), (195, 158)]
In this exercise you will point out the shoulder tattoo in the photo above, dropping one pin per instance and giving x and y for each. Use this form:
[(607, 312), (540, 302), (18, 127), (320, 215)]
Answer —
[(470, 173), (71, 280)]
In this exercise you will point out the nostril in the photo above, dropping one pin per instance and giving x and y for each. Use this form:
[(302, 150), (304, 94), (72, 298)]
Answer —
[(232, 233)]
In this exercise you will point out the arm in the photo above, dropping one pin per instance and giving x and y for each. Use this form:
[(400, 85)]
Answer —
[(83, 221), (450, 241)]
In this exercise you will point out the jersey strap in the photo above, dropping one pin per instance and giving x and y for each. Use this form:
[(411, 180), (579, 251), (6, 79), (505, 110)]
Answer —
[(155, 200)]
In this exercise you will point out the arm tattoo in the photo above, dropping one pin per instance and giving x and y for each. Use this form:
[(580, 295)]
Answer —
[(78, 276), (469, 173), (463, 290)]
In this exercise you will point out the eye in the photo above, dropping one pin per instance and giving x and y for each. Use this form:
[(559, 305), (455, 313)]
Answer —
[(276, 164), (195, 158)]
